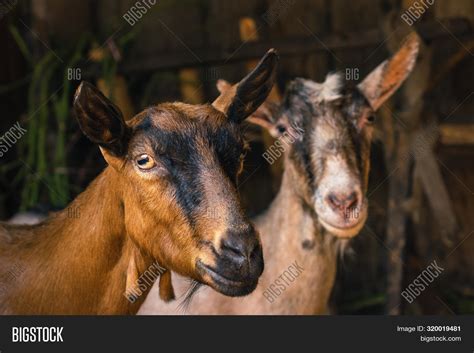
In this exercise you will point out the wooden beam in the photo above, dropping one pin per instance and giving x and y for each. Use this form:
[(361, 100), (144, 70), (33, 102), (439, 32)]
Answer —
[(457, 134), (287, 47), (427, 169), (429, 173)]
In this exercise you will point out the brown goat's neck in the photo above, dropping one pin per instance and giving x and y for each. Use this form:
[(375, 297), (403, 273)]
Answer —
[(76, 261)]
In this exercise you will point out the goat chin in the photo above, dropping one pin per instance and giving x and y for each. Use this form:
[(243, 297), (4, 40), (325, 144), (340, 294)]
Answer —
[(343, 232)]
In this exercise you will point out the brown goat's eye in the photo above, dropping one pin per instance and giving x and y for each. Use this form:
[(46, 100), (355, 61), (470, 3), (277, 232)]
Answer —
[(145, 162)]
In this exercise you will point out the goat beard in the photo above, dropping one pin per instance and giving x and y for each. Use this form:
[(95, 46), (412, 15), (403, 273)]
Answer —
[(194, 287)]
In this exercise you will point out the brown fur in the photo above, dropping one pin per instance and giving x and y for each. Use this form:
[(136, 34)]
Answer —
[(131, 218)]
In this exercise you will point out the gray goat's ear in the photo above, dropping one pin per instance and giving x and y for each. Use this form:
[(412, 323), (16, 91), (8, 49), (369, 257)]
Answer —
[(384, 81)]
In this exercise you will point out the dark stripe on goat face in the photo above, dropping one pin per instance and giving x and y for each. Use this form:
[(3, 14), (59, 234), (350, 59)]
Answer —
[(300, 153), (336, 135), (300, 111), (178, 154), (229, 148), (356, 108), (188, 152)]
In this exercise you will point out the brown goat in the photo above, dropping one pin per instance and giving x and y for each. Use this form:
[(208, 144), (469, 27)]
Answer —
[(321, 202), (149, 208)]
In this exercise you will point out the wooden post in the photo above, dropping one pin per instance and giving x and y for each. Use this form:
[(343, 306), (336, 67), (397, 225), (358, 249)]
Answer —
[(398, 160), (414, 144)]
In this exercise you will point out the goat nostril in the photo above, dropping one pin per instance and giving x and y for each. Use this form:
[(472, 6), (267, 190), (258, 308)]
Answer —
[(333, 200), (352, 196), (343, 201), (234, 250), (352, 200), (240, 248)]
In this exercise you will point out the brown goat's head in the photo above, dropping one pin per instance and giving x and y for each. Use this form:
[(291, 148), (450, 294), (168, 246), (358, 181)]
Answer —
[(331, 125), (177, 165)]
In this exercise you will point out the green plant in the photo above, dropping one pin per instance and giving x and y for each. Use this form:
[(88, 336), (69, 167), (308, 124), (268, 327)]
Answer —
[(43, 170), (42, 166), (61, 108)]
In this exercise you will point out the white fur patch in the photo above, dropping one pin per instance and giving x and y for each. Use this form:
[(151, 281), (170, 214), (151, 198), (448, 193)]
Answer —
[(327, 91), (338, 176)]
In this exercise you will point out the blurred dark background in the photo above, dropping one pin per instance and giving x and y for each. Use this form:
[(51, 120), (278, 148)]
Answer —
[(170, 50)]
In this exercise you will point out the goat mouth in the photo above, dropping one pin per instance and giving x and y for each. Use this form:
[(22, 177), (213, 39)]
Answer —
[(223, 284), (348, 231)]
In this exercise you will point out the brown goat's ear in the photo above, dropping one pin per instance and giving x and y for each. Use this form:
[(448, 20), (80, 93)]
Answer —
[(100, 119), (382, 82), (265, 116), (243, 98)]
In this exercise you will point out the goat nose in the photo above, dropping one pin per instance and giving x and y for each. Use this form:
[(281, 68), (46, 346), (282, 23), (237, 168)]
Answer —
[(241, 255), (343, 201), (240, 246)]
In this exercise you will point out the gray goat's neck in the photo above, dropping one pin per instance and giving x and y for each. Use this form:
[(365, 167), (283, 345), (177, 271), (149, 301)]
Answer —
[(291, 232), (296, 220)]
